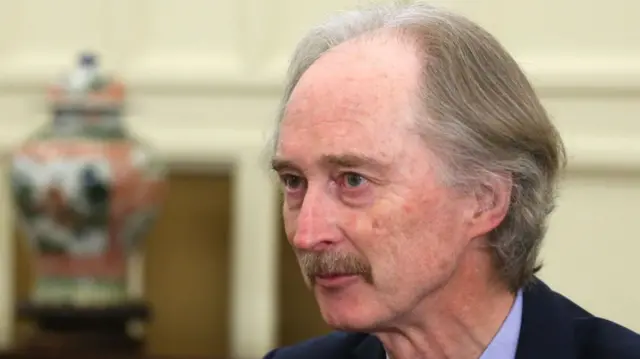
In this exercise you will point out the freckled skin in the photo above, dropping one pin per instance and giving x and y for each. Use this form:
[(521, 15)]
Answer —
[(409, 228)]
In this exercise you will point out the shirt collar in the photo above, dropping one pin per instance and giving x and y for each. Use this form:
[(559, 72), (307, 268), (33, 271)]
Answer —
[(505, 343)]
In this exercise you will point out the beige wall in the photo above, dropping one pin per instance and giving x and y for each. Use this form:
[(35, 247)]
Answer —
[(206, 75)]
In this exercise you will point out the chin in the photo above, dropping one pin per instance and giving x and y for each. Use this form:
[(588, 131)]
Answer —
[(350, 323), (349, 310)]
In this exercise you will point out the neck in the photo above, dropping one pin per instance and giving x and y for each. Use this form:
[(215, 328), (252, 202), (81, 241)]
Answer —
[(457, 321)]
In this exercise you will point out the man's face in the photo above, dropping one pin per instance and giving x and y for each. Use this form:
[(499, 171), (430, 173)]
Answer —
[(374, 229)]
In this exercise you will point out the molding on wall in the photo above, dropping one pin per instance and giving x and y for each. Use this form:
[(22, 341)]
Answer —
[(552, 75), (212, 147), (177, 145), (593, 153), (176, 73)]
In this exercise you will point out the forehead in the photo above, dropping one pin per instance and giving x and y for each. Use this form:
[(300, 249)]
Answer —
[(356, 98)]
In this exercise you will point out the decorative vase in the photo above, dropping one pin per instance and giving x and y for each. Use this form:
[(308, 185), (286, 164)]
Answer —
[(86, 191)]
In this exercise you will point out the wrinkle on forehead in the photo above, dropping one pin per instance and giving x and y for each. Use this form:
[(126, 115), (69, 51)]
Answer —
[(359, 93)]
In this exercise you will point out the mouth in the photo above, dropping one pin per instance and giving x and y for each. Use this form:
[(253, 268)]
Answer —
[(335, 280)]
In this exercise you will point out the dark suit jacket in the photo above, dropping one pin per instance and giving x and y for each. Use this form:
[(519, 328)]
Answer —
[(553, 327)]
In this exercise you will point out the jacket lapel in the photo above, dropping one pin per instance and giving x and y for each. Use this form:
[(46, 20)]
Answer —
[(546, 330)]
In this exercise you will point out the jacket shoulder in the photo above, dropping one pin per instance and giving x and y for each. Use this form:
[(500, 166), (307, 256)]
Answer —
[(596, 337), (553, 326), (604, 339), (335, 345)]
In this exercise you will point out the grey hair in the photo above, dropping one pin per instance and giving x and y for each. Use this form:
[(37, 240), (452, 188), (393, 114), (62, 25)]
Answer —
[(480, 115)]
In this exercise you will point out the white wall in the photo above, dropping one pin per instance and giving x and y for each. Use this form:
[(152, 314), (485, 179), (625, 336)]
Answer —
[(205, 78)]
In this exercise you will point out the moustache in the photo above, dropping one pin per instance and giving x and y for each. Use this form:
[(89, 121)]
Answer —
[(317, 264)]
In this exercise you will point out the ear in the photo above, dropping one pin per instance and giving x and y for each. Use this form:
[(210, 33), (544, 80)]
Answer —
[(492, 200)]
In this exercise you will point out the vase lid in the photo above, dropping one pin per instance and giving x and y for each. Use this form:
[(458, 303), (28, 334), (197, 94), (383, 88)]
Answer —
[(88, 59), (86, 86)]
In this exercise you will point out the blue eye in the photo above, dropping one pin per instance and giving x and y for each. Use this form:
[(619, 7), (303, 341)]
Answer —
[(353, 180)]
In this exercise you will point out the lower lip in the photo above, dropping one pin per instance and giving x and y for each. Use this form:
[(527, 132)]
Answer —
[(336, 281)]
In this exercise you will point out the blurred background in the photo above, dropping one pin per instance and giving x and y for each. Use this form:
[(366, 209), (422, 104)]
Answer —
[(205, 78)]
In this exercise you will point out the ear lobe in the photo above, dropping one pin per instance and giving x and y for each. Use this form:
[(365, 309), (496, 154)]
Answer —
[(493, 198)]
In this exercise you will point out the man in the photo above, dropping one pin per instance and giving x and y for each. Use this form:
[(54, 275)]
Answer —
[(418, 170)]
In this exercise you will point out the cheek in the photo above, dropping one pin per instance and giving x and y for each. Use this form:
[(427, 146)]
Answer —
[(433, 236), (367, 233), (422, 231), (375, 234)]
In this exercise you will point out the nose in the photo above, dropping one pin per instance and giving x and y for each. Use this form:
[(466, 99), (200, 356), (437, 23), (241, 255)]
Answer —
[(316, 223)]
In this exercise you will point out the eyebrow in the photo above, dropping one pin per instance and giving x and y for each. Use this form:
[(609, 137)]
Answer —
[(349, 160)]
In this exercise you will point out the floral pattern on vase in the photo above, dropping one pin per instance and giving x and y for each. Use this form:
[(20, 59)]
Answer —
[(86, 192)]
